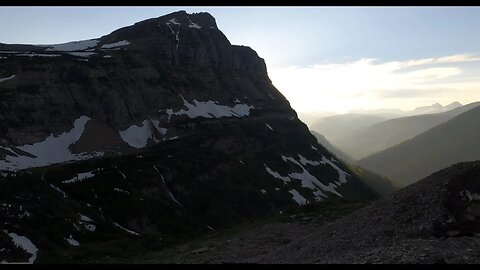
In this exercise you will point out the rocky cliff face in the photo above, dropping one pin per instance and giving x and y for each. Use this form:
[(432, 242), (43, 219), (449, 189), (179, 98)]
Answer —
[(145, 72), (179, 132)]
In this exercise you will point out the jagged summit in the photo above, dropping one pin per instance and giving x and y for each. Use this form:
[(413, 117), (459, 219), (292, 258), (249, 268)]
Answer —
[(453, 105), (203, 19), (173, 25), (436, 108)]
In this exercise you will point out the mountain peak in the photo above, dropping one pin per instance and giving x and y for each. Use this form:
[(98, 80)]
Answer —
[(175, 25), (453, 105), (434, 108), (182, 18)]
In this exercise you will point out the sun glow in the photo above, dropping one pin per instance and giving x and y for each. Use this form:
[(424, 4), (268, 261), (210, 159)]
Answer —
[(369, 84)]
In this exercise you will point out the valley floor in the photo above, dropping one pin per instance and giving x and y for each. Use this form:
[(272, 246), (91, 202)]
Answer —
[(249, 240), (262, 242)]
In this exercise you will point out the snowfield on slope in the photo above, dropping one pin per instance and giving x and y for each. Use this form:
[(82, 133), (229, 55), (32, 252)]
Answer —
[(310, 181), (297, 197), (7, 78), (25, 244), (116, 44), (54, 149), (125, 229), (137, 136), (72, 241), (80, 177), (210, 109), (72, 46)]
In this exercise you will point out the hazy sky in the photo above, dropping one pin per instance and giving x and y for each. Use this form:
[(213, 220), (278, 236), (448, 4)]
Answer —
[(320, 58)]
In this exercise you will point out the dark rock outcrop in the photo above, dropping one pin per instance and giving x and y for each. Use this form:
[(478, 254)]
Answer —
[(164, 61)]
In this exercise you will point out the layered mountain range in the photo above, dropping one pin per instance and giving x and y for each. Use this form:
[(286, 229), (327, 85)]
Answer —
[(405, 149), (360, 135), (447, 143)]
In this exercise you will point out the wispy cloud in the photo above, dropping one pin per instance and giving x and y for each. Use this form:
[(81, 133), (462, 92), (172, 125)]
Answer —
[(369, 83)]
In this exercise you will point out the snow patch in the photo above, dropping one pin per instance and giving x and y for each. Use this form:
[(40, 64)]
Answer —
[(297, 197), (72, 46), (210, 109), (7, 78), (174, 21), (471, 196), (24, 214), (158, 171), (277, 175), (263, 191), (54, 149), (169, 192), (342, 175), (25, 244), (90, 227), (10, 52), (37, 55), (121, 190), (269, 127), (310, 181), (59, 190), (72, 241), (80, 177), (192, 24), (125, 229), (305, 161), (137, 136), (156, 125), (168, 24), (314, 148), (85, 218), (116, 44), (82, 54)]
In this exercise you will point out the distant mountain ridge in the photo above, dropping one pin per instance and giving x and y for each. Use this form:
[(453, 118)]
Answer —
[(456, 140), (375, 134), (434, 108)]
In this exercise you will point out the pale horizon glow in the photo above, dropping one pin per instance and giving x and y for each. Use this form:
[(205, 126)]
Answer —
[(371, 84), (323, 59)]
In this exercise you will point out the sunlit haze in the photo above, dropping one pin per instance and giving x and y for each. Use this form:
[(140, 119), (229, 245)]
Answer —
[(321, 58)]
